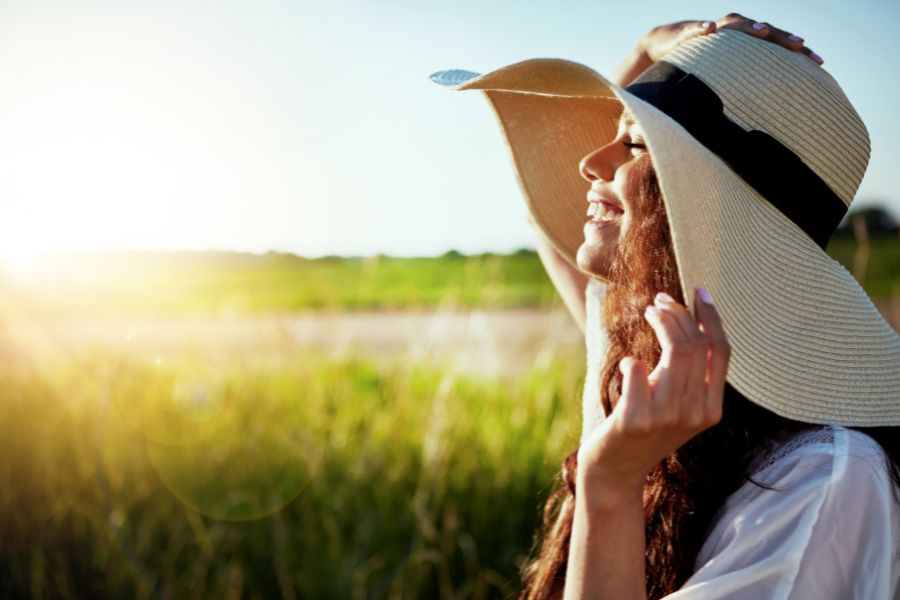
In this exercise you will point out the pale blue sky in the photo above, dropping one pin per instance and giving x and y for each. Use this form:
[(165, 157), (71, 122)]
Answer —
[(312, 127)]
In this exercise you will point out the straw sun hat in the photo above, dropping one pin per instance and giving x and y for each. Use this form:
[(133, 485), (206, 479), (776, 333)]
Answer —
[(758, 154)]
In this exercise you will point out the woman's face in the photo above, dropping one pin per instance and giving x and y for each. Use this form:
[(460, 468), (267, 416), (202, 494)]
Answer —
[(612, 196)]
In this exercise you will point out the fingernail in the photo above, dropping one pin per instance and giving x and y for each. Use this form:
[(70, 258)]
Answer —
[(704, 295), (652, 311), (795, 38), (664, 297), (816, 57), (759, 26), (705, 24)]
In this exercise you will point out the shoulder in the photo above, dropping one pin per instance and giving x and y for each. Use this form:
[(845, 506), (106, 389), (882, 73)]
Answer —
[(827, 454), (833, 458), (821, 520), (816, 469)]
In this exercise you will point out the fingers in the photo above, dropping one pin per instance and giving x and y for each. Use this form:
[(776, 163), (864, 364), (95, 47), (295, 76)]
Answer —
[(636, 412), (695, 29), (634, 377), (682, 317), (706, 27), (767, 32), (812, 55), (698, 344), (675, 363), (690, 376)]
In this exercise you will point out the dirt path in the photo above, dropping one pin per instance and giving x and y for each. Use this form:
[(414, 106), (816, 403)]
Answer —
[(481, 341)]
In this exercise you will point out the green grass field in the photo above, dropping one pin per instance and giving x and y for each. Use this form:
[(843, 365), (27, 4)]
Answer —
[(151, 284), (281, 476), (276, 472)]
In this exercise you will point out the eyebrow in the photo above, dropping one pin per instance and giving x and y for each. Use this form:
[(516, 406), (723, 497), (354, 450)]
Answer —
[(628, 119)]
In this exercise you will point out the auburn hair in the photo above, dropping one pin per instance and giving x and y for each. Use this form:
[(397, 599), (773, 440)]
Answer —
[(684, 491)]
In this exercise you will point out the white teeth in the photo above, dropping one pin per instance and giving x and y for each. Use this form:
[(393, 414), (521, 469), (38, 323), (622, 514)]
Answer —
[(601, 212)]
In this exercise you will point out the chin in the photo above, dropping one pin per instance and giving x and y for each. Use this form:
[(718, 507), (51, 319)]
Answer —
[(593, 260)]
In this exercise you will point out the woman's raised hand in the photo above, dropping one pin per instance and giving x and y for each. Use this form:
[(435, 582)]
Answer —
[(663, 38), (660, 411)]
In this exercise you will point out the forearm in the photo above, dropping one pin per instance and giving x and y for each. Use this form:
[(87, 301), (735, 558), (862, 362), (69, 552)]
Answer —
[(569, 281), (606, 550), (632, 65)]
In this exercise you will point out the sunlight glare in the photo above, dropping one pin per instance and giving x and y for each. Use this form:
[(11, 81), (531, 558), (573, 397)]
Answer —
[(19, 261)]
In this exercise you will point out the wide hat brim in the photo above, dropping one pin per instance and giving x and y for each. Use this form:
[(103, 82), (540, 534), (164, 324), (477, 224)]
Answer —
[(807, 341)]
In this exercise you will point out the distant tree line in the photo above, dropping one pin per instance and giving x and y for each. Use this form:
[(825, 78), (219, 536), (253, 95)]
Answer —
[(876, 221)]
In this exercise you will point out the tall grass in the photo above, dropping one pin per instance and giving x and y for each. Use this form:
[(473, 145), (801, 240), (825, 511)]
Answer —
[(276, 472), (288, 475)]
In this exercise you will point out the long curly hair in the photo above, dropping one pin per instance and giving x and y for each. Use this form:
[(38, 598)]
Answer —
[(684, 491)]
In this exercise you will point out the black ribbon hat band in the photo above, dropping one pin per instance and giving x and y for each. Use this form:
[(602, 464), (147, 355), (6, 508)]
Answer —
[(766, 164)]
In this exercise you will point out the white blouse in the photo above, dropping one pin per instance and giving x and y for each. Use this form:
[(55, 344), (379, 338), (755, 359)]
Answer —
[(829, 529), (596, 344)]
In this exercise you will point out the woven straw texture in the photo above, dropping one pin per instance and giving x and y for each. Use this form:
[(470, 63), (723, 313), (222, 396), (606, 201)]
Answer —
[(807, 342), (813, 118)]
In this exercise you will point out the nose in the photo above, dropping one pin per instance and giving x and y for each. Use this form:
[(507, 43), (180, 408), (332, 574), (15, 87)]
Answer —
[(599, 164)]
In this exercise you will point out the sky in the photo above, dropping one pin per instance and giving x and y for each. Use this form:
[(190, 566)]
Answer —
[(312, 127)]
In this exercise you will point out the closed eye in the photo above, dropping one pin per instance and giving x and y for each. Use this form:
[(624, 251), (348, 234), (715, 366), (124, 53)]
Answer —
[(634, 145)]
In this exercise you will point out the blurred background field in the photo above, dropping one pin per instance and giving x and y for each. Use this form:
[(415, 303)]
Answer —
[(180, 423), (225, 425), (234, 425), (294, 476), (226, 284)]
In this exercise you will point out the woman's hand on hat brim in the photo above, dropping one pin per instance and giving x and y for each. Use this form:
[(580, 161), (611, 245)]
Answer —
[(768, 32), (660, 40), (658, 412)]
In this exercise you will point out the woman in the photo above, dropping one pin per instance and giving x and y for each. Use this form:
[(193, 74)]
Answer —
[(712, 464)]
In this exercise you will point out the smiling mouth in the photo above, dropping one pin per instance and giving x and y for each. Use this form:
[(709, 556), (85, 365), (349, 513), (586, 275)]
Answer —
[(604, 211)]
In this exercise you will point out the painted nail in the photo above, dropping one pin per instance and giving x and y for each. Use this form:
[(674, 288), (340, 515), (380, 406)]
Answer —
[(704, 295), (664, 298), (795, 38), (759, 26), (816, 57)]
